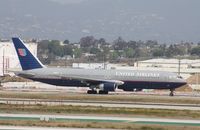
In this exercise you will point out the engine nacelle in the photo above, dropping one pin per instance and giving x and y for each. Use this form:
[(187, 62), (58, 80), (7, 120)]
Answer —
[(107, 86), (138, 89)]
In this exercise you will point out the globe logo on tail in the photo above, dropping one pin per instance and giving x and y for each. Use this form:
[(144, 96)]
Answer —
[(22, 52)]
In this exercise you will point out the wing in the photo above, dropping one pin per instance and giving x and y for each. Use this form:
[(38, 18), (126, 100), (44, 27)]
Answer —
[(92, 81)]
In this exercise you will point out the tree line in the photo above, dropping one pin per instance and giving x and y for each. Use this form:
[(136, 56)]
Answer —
[(119, 50)]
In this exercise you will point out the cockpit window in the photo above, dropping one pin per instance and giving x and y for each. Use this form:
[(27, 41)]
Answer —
[(180, 77)]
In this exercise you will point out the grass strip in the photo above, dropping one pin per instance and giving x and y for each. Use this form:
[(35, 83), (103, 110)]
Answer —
[(69, 109), (78, 96)]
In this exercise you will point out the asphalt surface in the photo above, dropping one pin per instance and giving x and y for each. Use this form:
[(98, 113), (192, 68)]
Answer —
[(161, 121), (42, 128), (115, 104)]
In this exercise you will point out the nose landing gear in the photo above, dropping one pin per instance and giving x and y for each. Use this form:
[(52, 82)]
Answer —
[(171, 92)]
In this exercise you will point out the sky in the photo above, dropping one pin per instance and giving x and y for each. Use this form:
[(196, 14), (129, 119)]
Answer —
[(167, 21)]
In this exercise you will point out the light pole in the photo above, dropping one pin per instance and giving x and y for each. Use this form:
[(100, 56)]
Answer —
[(3, 53), (179, 66), (3, 63)]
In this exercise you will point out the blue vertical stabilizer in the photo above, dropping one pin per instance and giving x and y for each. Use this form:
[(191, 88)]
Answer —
[(26, 58)]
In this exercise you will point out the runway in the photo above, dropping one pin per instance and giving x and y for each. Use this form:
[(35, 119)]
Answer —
[(113, 104), (42, 128), (160, 121)]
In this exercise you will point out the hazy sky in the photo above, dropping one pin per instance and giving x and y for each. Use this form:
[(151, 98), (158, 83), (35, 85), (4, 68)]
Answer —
[(68, 1), (162, 20)]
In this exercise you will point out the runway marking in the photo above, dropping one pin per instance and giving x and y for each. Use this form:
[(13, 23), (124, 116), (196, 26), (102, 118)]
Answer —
[(167, 123)]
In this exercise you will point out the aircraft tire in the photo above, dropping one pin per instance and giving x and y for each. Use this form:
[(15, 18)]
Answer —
[(103, 92), (171, 93), (91, 92)]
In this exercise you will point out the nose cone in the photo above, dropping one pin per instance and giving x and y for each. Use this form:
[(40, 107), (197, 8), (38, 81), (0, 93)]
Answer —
[(183, 81), (180, 81)]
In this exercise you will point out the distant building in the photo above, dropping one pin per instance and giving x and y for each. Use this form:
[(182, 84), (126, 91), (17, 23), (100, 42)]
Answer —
[(99, 66), (169, 63), (66, 57), (8, 56), (88, 55)]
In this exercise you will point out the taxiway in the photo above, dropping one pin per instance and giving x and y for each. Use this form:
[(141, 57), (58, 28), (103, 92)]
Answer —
[(42, 128), (160, 121)]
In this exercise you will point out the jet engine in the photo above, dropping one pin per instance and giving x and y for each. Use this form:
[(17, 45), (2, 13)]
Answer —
[(137, 89), (107, 86)]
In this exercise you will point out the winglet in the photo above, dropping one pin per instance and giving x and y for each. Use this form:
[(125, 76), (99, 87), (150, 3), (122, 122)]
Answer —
[(27, 60)]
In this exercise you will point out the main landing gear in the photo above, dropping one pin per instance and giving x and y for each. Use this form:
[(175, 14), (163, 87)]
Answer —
[(95, 92), (103, 92), (171, 92), (91, 92)]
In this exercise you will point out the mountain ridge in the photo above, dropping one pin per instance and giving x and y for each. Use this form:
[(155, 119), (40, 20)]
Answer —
[(165, 21)]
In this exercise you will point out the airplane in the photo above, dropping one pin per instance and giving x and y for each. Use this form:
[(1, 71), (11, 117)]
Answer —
[(99, 81)]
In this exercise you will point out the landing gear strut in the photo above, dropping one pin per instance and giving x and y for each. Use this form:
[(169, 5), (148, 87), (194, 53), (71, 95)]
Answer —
[(171, 92), (95, 92)]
